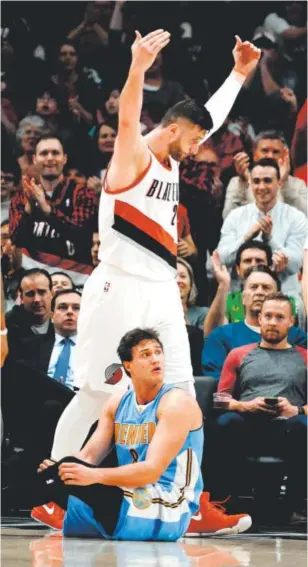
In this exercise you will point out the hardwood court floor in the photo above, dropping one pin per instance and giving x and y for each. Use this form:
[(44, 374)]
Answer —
[(25, 543)]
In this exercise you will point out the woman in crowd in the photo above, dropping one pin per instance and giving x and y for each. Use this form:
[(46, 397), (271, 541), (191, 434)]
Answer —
[(102, 149)]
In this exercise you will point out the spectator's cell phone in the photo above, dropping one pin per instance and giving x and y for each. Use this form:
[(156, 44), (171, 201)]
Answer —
[(271, 401)]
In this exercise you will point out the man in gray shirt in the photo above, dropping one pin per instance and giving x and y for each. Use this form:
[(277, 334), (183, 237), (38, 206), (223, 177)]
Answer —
[(267, 414)]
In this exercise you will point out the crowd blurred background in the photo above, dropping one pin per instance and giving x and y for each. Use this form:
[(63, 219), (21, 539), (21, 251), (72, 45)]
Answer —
[(63, 68)]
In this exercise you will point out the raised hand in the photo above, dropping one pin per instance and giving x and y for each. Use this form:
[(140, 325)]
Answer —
[(284, 166), (220, 271), (145, 49), (241, 164), (34, 192), (280, 261), (246, 56)]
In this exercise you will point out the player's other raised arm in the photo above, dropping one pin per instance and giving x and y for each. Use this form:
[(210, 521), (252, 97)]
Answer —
[(246, 57), (130, 148)]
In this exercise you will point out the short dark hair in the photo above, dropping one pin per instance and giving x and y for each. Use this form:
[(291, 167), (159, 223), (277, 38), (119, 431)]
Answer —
[(5, 222), (279, 297), (49, 137), (132, 339), (64, 274), (190, 110), (35, 272), (263, 270), (62, 292), (267, 162), (257, 244), (270, 135)]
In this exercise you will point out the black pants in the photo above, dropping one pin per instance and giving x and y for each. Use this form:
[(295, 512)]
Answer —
[(105, 501), (32, 404), (235, 436)]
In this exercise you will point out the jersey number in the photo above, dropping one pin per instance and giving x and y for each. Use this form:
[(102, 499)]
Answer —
[(175, 209)]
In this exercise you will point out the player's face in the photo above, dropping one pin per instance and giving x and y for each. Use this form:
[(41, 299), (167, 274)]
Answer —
[(187, 141), (50, 159), (275, 321), (249, 259), (147, 365), (183, 281), (257, 287)]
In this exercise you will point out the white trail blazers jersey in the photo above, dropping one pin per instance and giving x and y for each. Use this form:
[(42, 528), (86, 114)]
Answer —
[(138, 224)]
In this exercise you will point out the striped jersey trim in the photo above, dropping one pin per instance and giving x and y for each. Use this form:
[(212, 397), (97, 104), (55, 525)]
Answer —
[(181, 498), (133, 224)]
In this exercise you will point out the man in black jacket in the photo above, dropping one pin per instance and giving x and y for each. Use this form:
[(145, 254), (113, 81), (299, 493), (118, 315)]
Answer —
[(33, 316)]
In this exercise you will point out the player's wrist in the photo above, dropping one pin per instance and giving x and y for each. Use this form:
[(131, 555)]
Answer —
[(239, 74)]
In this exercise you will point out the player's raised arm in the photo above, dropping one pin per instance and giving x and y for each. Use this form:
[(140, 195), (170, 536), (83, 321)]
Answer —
[(246, 57), (144, 52)]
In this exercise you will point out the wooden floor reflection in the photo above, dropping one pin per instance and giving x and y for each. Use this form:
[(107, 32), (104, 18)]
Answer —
[(25, 544)]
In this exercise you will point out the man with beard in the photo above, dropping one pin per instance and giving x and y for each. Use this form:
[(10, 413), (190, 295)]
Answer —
[(259, 283), (267, 414), (51, 220)]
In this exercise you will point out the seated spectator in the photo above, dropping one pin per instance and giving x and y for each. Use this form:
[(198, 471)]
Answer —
[(29, 132), (282, 227), (10, 267), (299, 145), (32, 317), (95, 249), (267, 413), (48, 108), (102, 144), (65, 308), (43, 373), (186, 245), (270, 94), (61, 281), (257, 286), (52, 221), (8, 183), (194, 315), (268, 144), (159, 94), (250, 254)]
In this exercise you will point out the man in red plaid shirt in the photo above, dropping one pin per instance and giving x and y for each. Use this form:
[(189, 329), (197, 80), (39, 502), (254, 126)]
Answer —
[(52, 219)]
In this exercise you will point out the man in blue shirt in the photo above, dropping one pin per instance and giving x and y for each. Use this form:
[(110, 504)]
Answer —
[(259, 283)]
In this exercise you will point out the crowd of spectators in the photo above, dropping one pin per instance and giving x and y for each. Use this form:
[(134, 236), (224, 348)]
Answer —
[(242, 223)]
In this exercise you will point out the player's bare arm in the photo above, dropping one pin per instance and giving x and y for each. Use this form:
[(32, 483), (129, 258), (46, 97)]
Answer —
[(178, 413), (131, 154), (101, 442), (246, 57)]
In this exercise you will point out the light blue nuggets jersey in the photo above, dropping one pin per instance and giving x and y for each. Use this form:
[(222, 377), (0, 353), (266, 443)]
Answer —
[(160, 511)]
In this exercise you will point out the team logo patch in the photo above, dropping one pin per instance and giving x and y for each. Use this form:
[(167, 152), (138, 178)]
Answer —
[(141, 498), (107, 286), (113, 373)]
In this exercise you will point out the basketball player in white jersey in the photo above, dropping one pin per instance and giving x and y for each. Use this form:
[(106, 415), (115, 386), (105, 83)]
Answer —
[(135, 283)]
